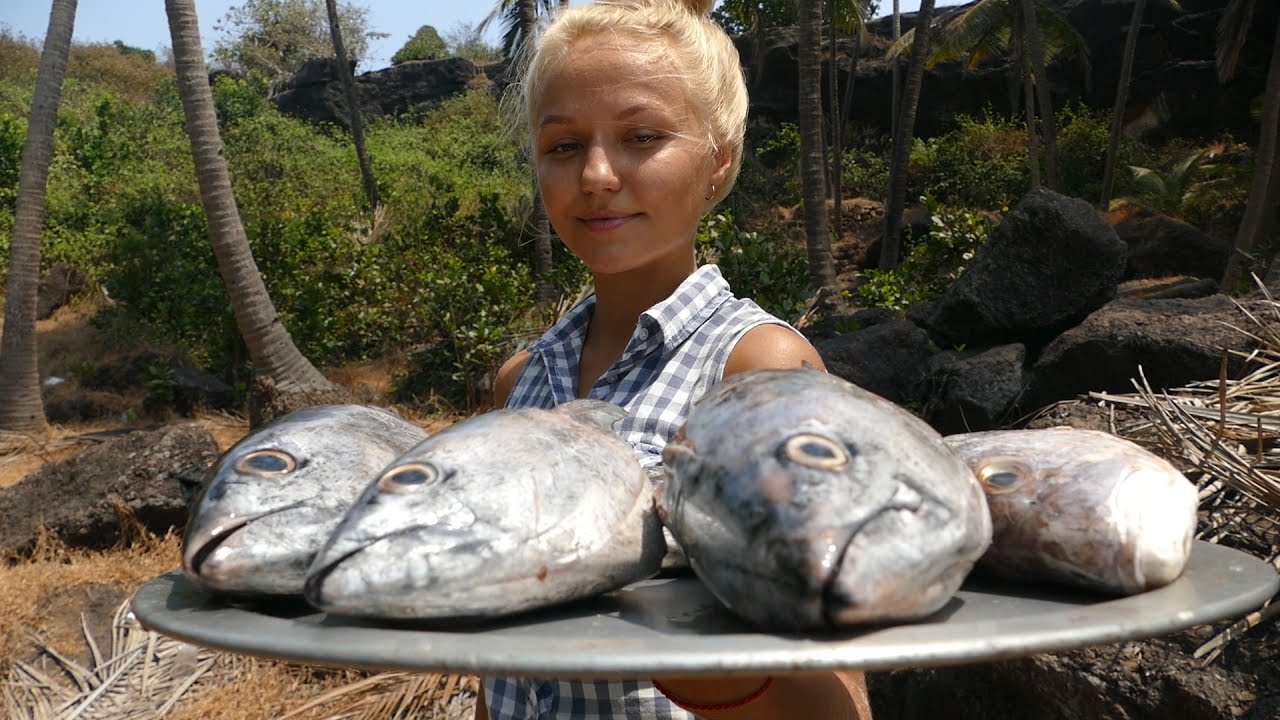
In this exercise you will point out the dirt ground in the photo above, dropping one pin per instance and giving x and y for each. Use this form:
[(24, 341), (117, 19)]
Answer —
[(59, 624)]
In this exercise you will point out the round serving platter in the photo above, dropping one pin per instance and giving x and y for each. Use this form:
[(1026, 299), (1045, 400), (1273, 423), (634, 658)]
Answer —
[(674, 626)]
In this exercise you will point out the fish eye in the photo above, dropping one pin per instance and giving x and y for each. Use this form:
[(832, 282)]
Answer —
[(267, 463), (1001, 477), (407, 478), (815, 451)]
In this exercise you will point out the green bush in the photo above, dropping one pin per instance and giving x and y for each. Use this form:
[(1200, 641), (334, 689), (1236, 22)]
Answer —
[(760, 266), (932, 262), (980, 164), (426, 44)]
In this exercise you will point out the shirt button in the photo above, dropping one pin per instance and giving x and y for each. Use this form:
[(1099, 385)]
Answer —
[(612, 378), (644, 333)]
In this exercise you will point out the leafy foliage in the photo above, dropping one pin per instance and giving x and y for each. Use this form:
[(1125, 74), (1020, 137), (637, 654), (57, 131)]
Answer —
[(761, 266), (466, 40), (425, 44), (932, 262), (740, 16), (274, 37), (982, 163)]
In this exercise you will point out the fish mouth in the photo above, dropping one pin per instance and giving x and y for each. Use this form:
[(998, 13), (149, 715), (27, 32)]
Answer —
[(836, 602), (195, 561)]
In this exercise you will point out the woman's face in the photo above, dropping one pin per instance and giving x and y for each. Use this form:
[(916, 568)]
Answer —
[(622, 159)]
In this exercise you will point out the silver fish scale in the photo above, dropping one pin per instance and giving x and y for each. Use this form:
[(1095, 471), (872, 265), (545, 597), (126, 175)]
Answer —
[(521, 509), (256, 533), (804, 502)]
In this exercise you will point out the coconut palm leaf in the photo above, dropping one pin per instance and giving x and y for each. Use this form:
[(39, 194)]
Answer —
[(508, 13), (1233, 31), (983, 31)]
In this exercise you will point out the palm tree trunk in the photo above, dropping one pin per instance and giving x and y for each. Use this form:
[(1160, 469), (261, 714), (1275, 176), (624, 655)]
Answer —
[(21, 408), (542, 257), (837, 149), (895, 79), (1033, 134), (276, 360), (1029, 100), (1035, 50), (822, 274), (891, 246), (1256, 211), (1122, 99), (846, 105), (354, 118)]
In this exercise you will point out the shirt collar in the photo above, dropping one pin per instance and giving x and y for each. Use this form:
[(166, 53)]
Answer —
[(667, 324)]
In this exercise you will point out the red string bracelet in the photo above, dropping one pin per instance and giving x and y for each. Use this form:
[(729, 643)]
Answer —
[(696, 707)]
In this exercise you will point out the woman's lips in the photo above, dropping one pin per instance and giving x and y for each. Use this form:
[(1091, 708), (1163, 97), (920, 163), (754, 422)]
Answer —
[(605, 224)]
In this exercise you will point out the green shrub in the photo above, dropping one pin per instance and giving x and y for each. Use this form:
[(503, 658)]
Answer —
[(760, 266), (1083, 135), (980, 164), (932, 262), (426, 44)]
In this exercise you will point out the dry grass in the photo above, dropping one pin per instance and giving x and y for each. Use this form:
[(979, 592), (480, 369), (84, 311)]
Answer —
[(1225, 435)]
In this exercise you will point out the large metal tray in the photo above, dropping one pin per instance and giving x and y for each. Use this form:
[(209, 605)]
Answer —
[(675, 626)]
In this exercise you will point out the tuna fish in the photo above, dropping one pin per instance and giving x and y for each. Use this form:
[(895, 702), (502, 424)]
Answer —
[(804, 502), (270, 502), (503, 512), (1081, 507)]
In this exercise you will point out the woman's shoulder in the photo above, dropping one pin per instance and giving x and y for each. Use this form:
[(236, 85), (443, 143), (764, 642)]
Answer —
[(771, 346), (505, 380)]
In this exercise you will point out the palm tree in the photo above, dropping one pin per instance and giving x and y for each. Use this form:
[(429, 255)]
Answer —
[(1232, 31), (822, 273), (988, 28), (520, 20), (904, 128), (895, 96), (353, 107), (21, 408), (848, 16), (285, 379), (1035, 52)]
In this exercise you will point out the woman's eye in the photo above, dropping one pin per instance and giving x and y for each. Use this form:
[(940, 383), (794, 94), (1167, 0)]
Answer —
[(646, 138), (562, 148)]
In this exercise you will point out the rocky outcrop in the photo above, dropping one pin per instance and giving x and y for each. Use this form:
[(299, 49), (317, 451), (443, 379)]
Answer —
[(87, 500), (1174, 91), (1035, 320), (1050, 263)]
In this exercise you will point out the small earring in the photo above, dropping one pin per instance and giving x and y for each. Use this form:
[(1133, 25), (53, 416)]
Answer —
[(712, 193)]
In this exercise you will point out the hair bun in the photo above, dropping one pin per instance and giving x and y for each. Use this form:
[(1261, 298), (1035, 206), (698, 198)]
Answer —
[(701, 8)]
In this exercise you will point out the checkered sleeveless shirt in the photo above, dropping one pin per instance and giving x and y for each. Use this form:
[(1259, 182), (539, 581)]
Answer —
[(678, 351)]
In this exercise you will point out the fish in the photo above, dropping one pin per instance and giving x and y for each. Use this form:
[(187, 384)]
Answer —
[(269, 503), (507, 511), (806, 503), (1081, 508)]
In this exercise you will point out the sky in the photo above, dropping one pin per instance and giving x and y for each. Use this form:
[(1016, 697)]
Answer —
[(142, 24)]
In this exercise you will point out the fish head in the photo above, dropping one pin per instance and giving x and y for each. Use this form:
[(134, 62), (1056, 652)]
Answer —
[(1099, 509), (826, 496), (439, 514), (270, 501), (484, 517)]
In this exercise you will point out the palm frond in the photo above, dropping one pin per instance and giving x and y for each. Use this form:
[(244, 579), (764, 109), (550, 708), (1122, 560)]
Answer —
[(1059, 38), (979, 26), (1233, 31)]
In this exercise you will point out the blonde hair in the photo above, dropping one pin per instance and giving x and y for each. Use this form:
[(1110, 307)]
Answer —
[(701, 52)]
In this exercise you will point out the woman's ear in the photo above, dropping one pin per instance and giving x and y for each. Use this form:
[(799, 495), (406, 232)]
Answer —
[(721, 161)]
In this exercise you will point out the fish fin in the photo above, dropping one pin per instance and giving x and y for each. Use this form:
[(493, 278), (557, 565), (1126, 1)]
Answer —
[(597, 413)]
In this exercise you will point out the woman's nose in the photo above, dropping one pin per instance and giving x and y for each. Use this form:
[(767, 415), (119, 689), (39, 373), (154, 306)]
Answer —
[(599, 173)]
